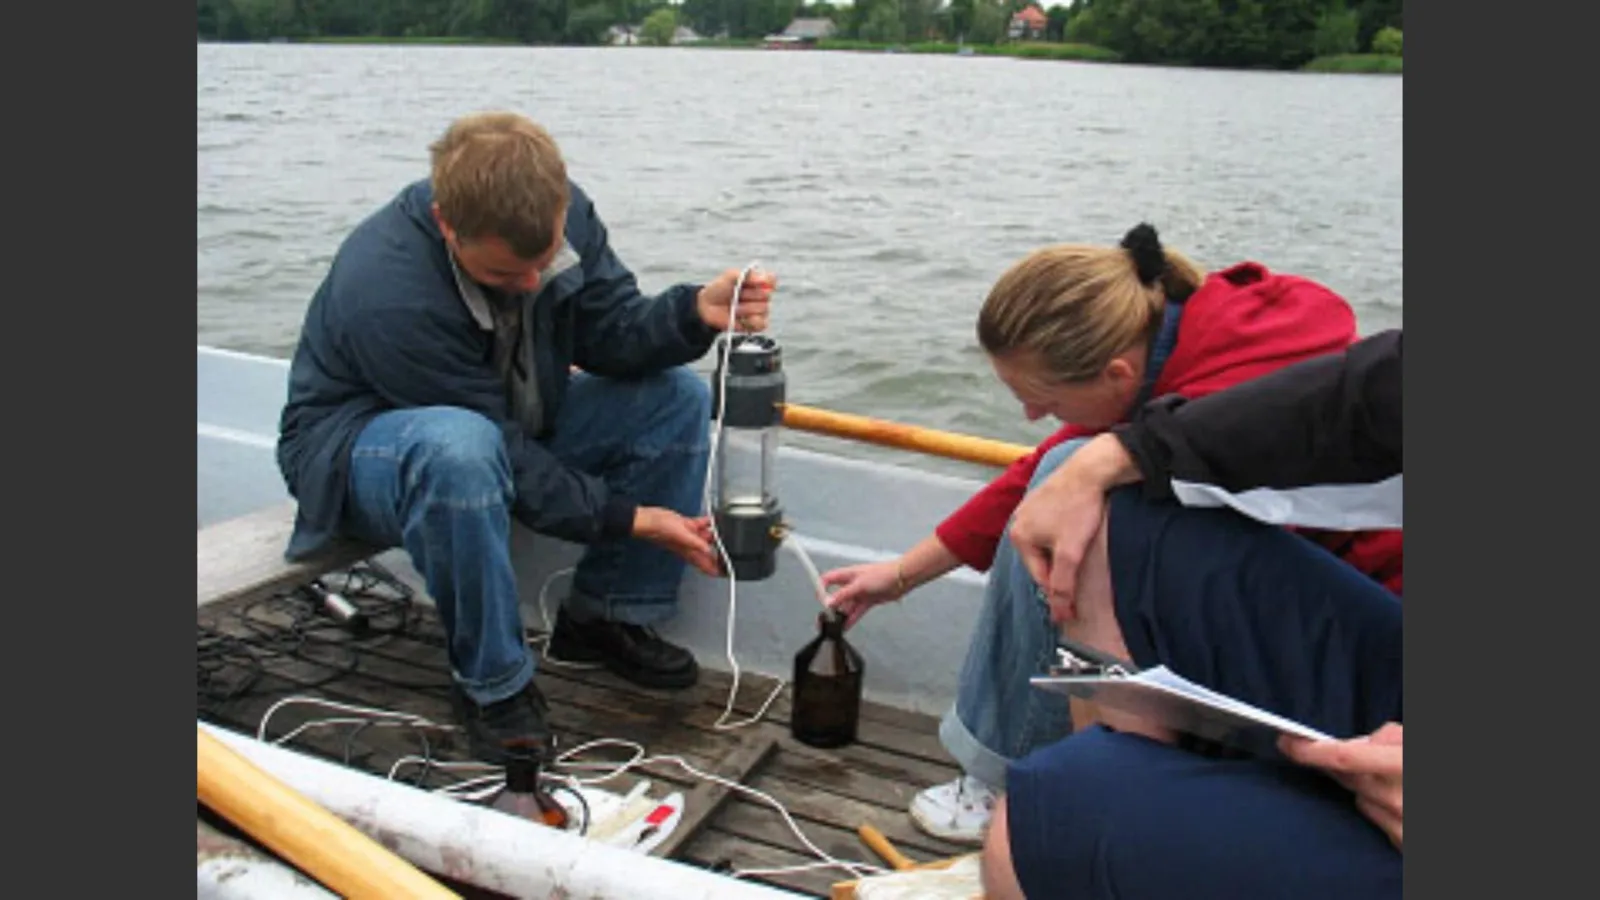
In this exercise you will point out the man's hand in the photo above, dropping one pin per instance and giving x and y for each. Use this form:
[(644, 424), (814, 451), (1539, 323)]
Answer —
[(1369, 766), (1056, 521), (689, 538), (755, 300)]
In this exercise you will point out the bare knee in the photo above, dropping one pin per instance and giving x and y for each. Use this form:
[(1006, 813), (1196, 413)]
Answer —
[(1095, 624), (999, 876), (1094, 614)]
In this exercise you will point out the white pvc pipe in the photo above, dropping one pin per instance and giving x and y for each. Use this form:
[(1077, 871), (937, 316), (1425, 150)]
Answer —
[(246, 878), (484, 847), (227, 868)]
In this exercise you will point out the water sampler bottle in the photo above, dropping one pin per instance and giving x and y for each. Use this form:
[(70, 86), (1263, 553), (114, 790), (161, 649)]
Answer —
[(827, 687), (746, 508), (522, 794)]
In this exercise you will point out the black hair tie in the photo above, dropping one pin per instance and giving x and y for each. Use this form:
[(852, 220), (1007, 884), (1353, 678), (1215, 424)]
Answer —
[(1149, 260)]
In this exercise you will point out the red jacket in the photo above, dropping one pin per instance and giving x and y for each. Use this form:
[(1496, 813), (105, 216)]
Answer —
[(1243, 322)]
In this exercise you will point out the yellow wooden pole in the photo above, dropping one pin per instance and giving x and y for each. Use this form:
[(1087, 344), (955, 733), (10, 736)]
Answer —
[(872, 837), (880, 845), (320, 843), (884, 433)]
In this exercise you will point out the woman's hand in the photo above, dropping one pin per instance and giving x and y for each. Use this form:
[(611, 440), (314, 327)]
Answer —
[(862, 587), (1369, 766)]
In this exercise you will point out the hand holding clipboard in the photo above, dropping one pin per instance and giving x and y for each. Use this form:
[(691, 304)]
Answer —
[(1165, 698)]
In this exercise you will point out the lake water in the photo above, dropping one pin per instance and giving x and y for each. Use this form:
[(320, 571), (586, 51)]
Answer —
[(887, 191)]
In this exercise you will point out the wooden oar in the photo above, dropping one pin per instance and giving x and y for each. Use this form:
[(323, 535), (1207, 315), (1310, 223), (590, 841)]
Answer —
[(872, 837), (885, 433), (323, 845), (880, 845)]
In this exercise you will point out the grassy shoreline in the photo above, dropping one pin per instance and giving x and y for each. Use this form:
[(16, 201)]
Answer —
[(1350, 63), (1029, 50), (409, 39), (1358, 63)]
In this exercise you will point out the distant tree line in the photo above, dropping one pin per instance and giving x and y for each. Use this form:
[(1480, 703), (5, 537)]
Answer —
[(1234, 33), (516, 21), (1226, 33)]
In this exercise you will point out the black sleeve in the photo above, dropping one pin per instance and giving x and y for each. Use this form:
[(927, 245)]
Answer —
[(622, 332), (1330, 421)]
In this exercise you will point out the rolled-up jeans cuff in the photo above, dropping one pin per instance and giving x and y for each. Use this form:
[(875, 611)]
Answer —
[(974, 758), (484, 691)]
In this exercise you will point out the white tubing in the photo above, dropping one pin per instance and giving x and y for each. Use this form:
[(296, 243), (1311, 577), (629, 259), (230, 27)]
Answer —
[(484, 847), (799, 550)]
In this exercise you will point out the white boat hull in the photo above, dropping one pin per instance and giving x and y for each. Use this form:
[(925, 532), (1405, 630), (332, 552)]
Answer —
[(843, 511)]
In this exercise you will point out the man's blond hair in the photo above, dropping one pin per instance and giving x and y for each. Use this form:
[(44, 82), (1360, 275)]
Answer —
[(498, 174)]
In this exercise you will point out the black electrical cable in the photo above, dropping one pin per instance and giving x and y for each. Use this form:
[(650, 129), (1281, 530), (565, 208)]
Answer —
[(350, 739), (302, 626), (426, 768), (219, 654), (582, 804), (295, 626)]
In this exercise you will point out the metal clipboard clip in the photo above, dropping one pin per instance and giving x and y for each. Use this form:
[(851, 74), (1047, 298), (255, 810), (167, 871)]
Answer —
[(1074, 659)]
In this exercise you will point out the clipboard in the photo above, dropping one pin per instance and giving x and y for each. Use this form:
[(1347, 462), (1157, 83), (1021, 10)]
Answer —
[(1166, 698)]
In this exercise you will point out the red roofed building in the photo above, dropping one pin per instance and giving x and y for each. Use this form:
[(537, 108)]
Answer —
[(1029, 23)]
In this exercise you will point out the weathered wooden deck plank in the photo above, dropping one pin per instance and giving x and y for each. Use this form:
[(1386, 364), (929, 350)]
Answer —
[(705, 800), (714, 845), (883, 747), (895, 729), (830, 793)]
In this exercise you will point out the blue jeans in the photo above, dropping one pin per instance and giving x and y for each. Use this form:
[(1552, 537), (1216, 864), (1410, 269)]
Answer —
[(998, 716), (437, 481)]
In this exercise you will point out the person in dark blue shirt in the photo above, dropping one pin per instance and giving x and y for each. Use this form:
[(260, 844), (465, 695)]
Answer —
[(1160, 543), (433, 399)]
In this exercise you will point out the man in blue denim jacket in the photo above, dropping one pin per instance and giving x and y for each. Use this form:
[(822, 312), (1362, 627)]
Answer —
[(432, 399)]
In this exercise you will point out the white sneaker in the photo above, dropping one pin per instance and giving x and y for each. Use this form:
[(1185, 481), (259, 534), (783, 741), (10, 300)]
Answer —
[(957, 811)]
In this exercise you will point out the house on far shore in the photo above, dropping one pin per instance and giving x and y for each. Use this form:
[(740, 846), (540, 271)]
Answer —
[(1029, 23), (801, 33), (628, 35)]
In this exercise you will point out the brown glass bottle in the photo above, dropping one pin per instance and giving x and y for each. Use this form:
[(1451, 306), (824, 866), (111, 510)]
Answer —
[(522, 795), (827, 687)]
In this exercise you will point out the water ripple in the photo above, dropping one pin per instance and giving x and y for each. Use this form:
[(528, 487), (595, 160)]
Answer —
[(887, 190)]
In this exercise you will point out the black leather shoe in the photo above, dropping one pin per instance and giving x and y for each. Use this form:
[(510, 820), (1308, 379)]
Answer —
[(634, 652), (567, 649), (508, 725)]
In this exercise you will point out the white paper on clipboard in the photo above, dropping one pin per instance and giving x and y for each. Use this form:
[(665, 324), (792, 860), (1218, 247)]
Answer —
[(1168, 699)]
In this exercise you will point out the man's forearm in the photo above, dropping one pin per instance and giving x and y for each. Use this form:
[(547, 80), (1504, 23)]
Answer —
[(1105, 463), (1099, 465)]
